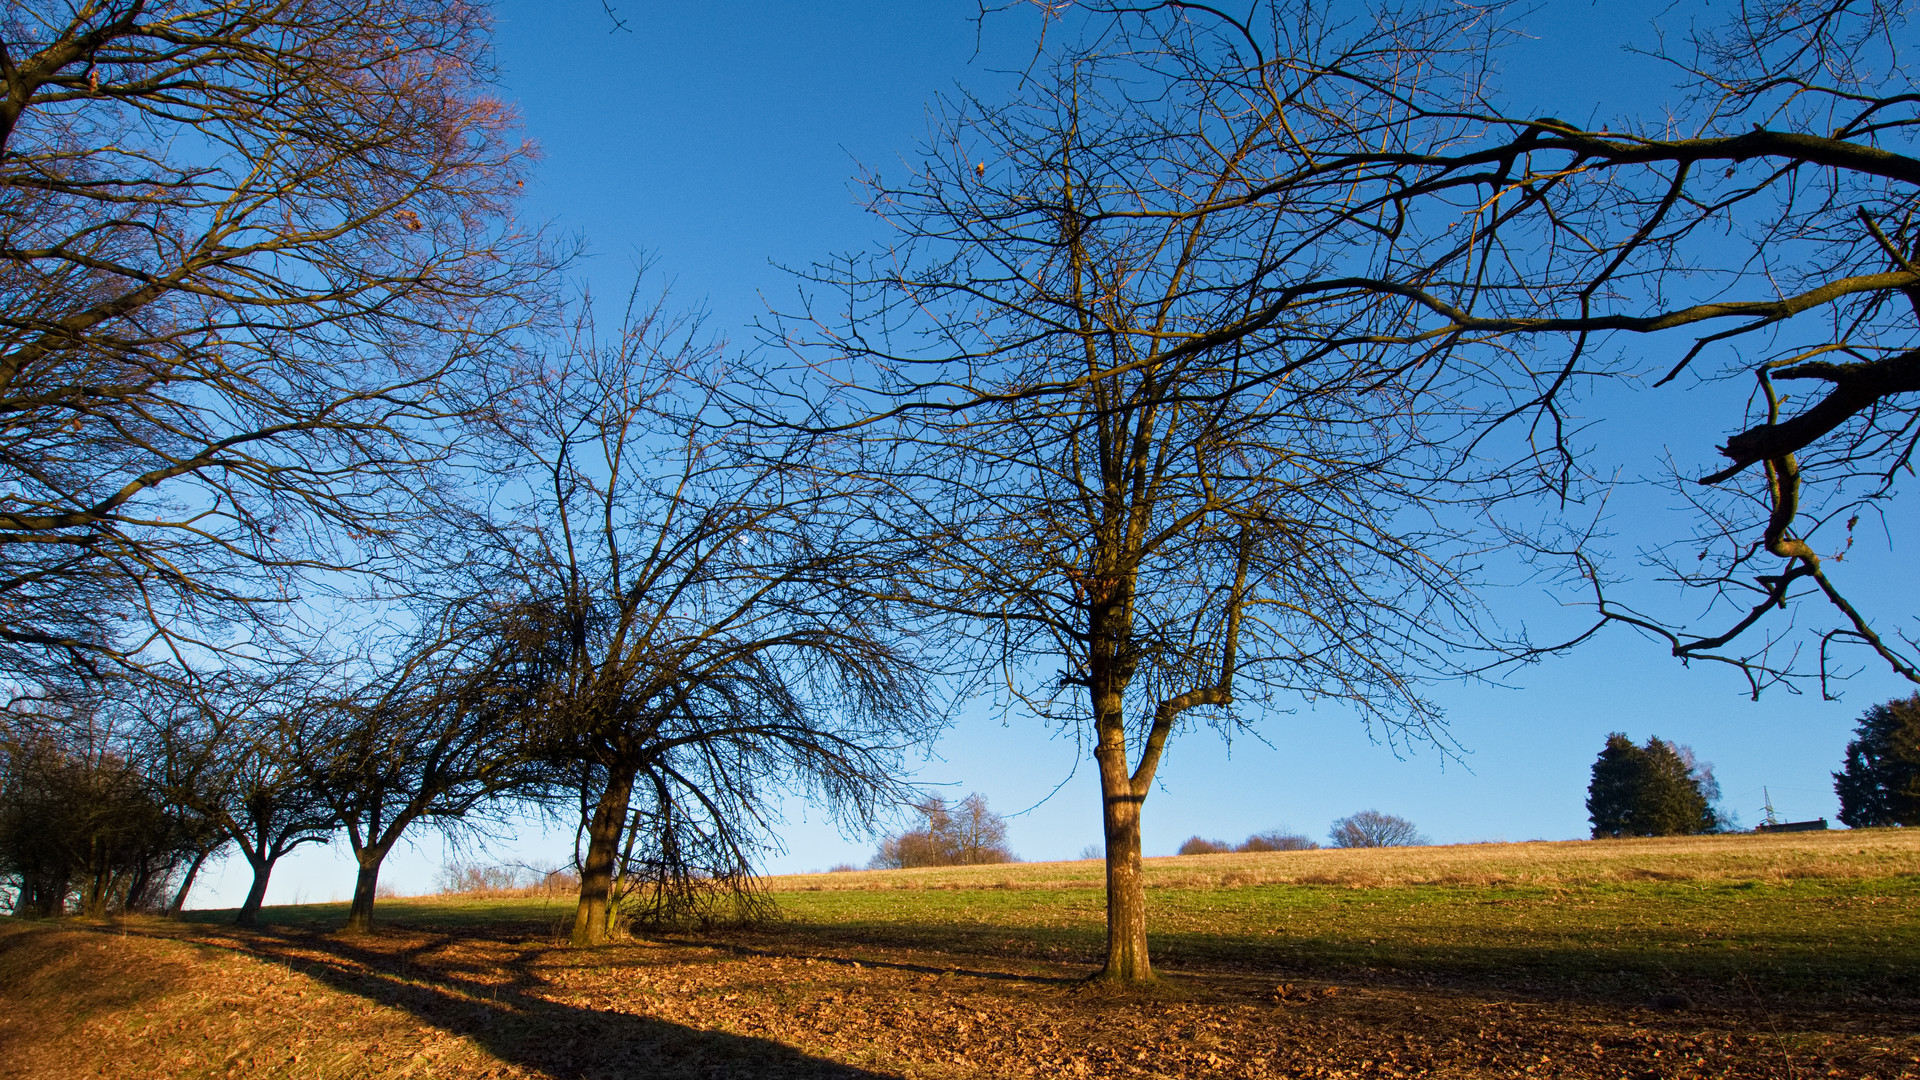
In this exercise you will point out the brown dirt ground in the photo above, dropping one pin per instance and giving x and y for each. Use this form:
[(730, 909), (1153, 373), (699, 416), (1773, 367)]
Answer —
[(152, 998)]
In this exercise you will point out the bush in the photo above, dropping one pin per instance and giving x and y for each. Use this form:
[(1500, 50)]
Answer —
[(468, 879), (1277, 840), (1371, 828)]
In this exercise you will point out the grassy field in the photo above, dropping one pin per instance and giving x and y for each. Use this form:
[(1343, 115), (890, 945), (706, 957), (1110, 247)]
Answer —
[(1819, 917), (1833, 913), (1772, 857), (1789, 956)]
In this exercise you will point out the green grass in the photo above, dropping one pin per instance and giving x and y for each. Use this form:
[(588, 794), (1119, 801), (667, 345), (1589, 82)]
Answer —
[(1859, 936)]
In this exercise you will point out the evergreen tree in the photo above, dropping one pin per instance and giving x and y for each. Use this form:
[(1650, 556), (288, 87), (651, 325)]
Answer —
[(1651, 790), (1880, 782)]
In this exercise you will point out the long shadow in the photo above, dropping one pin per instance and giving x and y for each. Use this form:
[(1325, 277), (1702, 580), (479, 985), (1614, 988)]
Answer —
[(513, 1021), (840, 958), (1784, 974)]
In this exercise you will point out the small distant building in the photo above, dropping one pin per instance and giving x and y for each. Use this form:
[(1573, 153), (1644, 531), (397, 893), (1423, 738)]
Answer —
[(1816, 825)]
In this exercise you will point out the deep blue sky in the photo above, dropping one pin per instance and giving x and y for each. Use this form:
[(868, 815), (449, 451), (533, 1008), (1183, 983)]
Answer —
[(718, 140)]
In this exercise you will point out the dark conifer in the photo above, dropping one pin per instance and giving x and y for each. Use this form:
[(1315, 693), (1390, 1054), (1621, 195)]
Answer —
[(1880, 782)]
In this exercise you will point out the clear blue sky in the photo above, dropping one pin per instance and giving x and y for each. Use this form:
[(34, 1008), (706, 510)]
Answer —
[(718, 140)]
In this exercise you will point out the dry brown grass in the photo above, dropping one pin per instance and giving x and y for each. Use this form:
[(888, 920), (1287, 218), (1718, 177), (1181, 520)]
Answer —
[(86, 1001), (1836, 855)]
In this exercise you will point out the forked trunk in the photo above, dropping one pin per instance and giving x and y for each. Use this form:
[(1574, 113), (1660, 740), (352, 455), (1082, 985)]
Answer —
[(1126, 886), (93, 902), (365, 886), (592, 919), (250, 910)]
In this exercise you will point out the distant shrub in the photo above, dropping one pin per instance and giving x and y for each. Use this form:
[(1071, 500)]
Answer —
[(842, 868), (1274, 840), (1277, 840)]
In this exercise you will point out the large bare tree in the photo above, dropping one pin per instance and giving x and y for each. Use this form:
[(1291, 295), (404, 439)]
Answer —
[(706, 600), (251, 255), (1763, 229), (1166, 475)]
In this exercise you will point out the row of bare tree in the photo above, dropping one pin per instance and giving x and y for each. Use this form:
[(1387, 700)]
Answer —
[(310, 486), (1220, 368)]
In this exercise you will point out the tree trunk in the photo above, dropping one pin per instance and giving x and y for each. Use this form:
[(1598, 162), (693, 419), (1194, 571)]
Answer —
[(360, 914), (1126, 881), (137, 883), (604, 829), (250, 910), (44, 897), (93, 902), (186, 885)]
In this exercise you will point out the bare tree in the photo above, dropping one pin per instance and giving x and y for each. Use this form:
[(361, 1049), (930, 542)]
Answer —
[(966, 834), (708, 649), (1775, 221), (242, 744), (85, 812), (1371, 828), (1767, 223), (435, 733), (251, 255), (1158, 495)]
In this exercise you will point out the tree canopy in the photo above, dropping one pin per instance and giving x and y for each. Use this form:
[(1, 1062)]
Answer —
[(252, 256)]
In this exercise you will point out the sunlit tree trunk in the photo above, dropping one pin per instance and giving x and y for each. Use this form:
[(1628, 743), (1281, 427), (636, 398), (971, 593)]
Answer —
[(365, 886), (591, 920), (1126, 877), (249, 914), (1120, 797)]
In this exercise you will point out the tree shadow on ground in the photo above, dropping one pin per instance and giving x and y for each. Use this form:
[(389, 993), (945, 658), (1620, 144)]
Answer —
[(495, 999), (1859, 977)]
